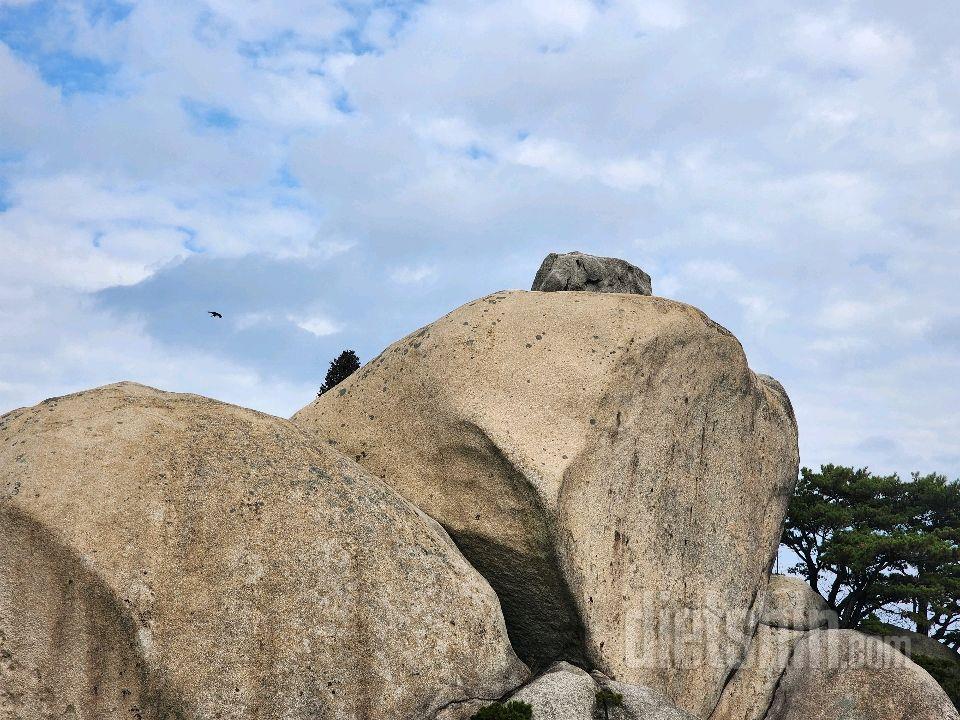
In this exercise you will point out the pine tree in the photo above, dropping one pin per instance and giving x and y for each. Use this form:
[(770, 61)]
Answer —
[(342, 367), (513, 710), (877, 544)]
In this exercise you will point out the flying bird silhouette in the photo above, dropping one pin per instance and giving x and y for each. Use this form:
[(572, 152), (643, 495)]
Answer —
[(214, 313)]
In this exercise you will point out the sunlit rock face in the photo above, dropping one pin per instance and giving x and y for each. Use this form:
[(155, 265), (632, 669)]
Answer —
[(608, 461), (566, 692), (169, 556), (843, 673)]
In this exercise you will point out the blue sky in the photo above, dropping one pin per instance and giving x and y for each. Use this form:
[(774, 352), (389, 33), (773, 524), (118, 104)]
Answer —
[(334, 175)]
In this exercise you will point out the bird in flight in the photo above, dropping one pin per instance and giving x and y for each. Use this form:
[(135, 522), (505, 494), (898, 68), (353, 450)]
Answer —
[(214, 313)]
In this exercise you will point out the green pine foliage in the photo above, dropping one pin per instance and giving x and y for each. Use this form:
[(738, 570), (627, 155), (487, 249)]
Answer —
[(514, 710), (875, 543), (342, 367), (606, 701)]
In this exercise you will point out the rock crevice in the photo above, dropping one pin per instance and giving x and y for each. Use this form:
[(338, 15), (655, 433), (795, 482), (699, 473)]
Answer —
[(627, 430)]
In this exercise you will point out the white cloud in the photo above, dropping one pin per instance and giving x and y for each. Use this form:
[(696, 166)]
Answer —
[(562, 160), (840, 344), (409, 275), (791, 171), (317, 325), (568, 15), (761, 311), (630, 174), (847, 314), (27, 105), (249, 320), (842, 41), (665, 14)]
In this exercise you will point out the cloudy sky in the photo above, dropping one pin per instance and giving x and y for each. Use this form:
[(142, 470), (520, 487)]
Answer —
[(336, 174)]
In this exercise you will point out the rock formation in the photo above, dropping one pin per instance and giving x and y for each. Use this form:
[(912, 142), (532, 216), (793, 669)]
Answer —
[(607, 461), (844, 674), (748, 694), (914, 644), (792, 604), (794, 657), (169, 556), (791, 609), (566, 692), (578, 271)]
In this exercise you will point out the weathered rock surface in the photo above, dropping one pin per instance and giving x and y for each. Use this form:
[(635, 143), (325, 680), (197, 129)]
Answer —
[(792, 604), (844, 674), (749, 693), (608, 462), (639, 703), (578, 271), (913, 643), (566, 692), (168, 556), (791, 608)]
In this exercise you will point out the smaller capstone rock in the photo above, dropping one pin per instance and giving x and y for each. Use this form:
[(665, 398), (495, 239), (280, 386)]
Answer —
[(590, 273)]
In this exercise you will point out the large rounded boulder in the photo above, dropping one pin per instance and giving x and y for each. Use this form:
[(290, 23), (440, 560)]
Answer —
[(608, 461), (844, 674), (168, 556)]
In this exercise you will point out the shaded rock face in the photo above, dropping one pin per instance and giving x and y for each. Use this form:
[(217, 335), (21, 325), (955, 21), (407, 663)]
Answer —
[(844, 674), (61, 624), (913, 643), (168, 556), (578, 271), (607, 461)]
